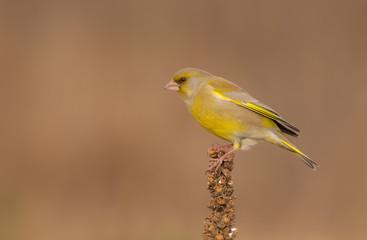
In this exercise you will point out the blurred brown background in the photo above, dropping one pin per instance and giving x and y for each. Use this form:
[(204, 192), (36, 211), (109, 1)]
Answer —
[(92, 147)]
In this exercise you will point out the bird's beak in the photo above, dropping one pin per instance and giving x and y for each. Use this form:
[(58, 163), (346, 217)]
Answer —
[(171, 85)]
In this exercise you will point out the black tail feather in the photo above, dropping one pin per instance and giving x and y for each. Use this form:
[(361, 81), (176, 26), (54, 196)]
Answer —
[(286, 130)]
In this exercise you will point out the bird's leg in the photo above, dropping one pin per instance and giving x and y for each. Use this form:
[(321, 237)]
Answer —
[(224, 154)]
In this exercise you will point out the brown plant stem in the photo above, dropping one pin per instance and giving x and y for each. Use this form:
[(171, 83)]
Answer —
[(220, 223)]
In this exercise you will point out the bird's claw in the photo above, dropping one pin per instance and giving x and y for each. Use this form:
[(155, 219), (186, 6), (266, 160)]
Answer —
[(225, 148), (218, 157)]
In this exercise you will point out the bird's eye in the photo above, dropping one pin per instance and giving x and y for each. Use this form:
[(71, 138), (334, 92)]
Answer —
[(182, 80)]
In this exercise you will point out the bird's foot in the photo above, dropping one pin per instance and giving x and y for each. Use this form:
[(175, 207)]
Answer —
[(220, 154), (218, 147)]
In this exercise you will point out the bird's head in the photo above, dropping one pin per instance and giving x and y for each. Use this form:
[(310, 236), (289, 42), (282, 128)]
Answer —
[(187, 80)]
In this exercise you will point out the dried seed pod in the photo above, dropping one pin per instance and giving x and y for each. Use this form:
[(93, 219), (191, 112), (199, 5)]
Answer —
[(229, 192), (211, 228), (226, 230), (220, 153), (218, 188), (231, 211), (233, 232), (222, 180), (221, 200), (221, 225), (230, 203), (212, 204), (226, 173), (220, 208), (210, 178), (213, 153), (219, 237), (226, 219)]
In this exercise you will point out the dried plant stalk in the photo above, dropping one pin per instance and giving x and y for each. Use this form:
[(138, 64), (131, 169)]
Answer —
[(220, 223)]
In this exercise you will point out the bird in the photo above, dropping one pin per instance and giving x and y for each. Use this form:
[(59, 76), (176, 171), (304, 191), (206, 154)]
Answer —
[(229, 112)]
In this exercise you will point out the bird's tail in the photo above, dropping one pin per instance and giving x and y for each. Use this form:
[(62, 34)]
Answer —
[(283, 142)]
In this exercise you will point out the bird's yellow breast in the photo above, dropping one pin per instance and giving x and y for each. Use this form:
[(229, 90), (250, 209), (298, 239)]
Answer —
[(216, 117)]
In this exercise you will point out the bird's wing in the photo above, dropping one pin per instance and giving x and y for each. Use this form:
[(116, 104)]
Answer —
[(233, 93)]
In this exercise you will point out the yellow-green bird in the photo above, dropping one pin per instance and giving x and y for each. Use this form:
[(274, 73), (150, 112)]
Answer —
[(229, 112)]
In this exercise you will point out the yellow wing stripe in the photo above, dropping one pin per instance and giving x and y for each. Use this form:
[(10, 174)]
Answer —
[(268, 114), (256, 108), (250, 106), (261, 111)]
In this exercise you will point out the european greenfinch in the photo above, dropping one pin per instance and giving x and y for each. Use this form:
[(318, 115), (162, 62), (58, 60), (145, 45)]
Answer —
[(229, 112)]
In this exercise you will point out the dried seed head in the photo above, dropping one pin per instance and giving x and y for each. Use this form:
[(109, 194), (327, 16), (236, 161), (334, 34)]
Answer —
[(219, 225)]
